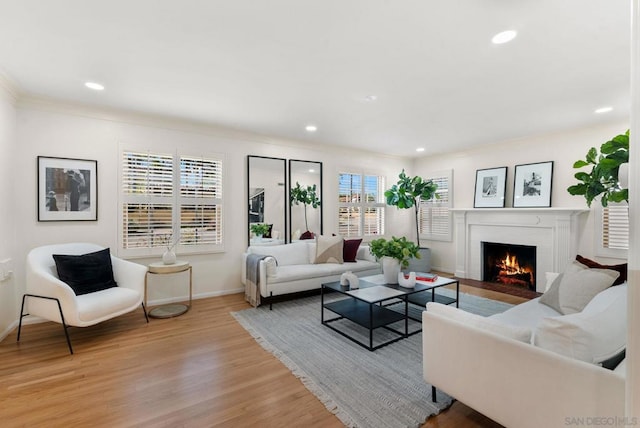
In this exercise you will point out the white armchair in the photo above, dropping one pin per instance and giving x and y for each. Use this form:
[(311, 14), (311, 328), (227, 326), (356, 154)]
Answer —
[(54, 300)]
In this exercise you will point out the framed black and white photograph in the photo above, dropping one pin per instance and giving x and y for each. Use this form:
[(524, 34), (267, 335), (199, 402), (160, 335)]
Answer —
[(490, 187), (67, 189), (532, 185)]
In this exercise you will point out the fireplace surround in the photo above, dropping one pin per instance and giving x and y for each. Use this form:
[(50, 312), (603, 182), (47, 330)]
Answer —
[(554, 231)]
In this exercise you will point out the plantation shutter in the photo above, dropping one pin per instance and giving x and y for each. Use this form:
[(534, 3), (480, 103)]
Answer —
[(434, 218), (200, 201), (615, 227), (169, 199), (147, 187), (374, 204), (360, 205)]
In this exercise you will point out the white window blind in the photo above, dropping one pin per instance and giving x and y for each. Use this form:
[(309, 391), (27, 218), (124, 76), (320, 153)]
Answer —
[(434, 217), (166, 196), (615, 227), (200, 201), (361, 205)]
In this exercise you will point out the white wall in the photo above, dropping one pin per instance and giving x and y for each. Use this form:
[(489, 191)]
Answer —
[(8, 189), (66, 131), (562, 148), (35, 128)]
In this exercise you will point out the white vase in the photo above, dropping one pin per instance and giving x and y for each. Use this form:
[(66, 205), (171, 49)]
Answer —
[(390, 269), (169, 257)]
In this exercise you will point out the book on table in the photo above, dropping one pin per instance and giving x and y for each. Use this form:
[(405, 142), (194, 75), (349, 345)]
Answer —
[(425, 276)]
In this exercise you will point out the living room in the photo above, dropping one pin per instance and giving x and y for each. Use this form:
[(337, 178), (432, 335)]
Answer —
[(33, 124)]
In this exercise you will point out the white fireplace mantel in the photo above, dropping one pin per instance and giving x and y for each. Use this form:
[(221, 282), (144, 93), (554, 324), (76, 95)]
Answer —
[(553, 231)]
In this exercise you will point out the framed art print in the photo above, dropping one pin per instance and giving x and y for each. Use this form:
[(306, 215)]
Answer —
[(67, 189), (532, 185), (490, 187)]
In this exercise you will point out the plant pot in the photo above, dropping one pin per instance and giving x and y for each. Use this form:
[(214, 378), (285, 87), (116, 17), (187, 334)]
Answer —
[(423, 264), (390, 269)]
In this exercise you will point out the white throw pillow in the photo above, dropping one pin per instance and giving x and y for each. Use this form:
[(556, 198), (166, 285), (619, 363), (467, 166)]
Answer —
[(522, 334), (594, 335), (550, 277), (570, 292)]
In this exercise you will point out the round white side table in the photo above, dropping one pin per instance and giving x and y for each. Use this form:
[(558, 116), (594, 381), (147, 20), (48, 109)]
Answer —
[(171, 309)]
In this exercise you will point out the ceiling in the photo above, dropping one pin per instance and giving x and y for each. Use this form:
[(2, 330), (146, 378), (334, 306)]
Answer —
[(272, 67)]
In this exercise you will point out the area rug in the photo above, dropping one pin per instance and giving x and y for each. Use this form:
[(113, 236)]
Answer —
[(384, 388)]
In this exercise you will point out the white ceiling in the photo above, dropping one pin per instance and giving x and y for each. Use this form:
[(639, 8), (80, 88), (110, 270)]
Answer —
[(274, 66)]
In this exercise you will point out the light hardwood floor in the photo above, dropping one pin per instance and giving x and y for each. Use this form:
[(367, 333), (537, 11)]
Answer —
[(201, 369)]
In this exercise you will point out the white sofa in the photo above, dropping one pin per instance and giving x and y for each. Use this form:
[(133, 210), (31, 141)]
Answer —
[(291, 268), (530, 366)]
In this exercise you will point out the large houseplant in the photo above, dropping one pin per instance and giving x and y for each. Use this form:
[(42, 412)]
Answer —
[(393, 253), (604, 177), (408, 192), (306, 196)]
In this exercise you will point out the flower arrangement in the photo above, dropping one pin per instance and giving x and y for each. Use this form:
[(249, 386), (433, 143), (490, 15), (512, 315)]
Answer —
[(397, 248), (259, 229)]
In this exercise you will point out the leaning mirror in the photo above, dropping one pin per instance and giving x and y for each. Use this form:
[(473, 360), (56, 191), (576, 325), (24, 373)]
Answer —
[(305, 199), (267, 197)]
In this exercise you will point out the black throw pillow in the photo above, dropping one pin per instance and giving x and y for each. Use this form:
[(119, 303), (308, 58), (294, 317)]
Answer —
[(86, 273)]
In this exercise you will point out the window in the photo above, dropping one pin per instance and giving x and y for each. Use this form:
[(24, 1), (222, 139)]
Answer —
[(434, 217), (168, 197), (613, 230), (361, 205)]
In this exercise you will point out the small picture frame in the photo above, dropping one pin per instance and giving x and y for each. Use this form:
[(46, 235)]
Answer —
[(532, 185), (67, 189), (490, 187)]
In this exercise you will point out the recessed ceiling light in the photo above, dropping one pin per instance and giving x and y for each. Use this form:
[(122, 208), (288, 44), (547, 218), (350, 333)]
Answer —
[(311, 128), (504, 37), (95, 86), (420, 149), (312, 170), (604, 109), (370, 98)]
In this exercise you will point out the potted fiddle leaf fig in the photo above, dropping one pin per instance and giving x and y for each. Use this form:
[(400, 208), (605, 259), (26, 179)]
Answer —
[(604, 177), (306, 196), (408, 192)]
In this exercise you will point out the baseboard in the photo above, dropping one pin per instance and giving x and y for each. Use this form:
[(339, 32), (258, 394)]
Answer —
[(8, 330), (181, 299)]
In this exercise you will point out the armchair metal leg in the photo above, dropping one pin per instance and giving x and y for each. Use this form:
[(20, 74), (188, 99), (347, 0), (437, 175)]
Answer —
[(64, 324), (145, 313), (433, 394)]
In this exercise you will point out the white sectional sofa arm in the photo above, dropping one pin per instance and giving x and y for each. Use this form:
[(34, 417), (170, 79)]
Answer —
[(515, 383)]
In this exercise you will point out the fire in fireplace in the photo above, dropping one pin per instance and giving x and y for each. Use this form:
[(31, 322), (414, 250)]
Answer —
[(509, 264)]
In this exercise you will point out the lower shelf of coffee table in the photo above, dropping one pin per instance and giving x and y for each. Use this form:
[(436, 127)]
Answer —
[(423, 298), (358, 312)]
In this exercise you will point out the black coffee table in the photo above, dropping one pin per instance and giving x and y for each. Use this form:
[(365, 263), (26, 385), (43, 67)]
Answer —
[(376, 305)]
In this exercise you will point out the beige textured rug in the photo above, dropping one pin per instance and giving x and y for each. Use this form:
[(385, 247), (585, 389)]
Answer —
[(384, 388)]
